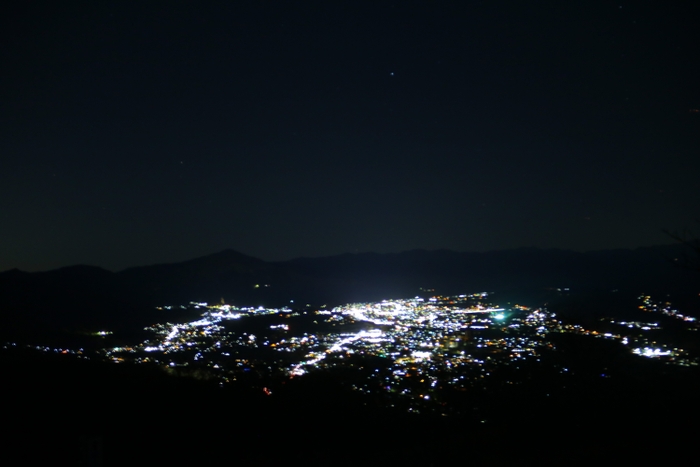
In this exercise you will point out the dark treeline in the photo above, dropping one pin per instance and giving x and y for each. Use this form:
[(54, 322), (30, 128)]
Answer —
[(138, 415)]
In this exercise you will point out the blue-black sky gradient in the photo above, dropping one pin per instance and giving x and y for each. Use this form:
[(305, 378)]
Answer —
[(143, 132)]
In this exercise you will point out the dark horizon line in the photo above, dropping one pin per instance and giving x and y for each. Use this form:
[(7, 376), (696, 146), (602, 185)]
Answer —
[(355, 253)]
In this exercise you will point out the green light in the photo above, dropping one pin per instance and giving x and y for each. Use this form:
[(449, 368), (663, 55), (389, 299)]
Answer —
[(500, 316)]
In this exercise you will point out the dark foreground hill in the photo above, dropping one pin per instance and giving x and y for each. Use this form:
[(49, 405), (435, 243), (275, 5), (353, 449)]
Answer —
[(90, 413)]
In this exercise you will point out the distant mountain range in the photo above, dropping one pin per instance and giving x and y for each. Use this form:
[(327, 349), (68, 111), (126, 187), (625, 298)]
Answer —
[(91, 295)]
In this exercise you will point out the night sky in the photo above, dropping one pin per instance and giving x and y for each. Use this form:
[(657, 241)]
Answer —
[(141, 132)]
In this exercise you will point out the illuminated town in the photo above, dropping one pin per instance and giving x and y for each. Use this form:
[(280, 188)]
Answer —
[(416, 353)]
